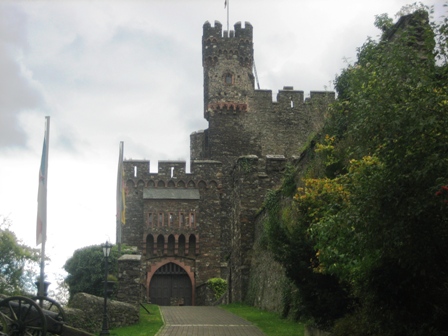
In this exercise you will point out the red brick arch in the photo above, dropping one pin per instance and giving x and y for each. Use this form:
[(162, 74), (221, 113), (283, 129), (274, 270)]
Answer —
[(157, 265)]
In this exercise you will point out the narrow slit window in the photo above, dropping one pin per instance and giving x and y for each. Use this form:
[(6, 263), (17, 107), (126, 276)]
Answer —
[(181, 219), (160, 219), (171, 220), (150, 219), (192, 220)]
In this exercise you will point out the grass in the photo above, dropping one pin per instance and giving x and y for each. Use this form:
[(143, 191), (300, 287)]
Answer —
[(270, 323), (148, 325)]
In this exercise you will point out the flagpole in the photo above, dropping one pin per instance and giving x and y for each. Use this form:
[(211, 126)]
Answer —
[(120, 201), (42, 205), (228, 6)]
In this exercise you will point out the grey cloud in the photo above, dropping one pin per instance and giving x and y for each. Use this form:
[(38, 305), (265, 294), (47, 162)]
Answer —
[(18, 92)]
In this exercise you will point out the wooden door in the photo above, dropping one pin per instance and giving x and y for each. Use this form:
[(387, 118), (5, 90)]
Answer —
[(170, 286)]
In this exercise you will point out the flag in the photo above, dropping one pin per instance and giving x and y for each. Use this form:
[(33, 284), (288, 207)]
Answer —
[(41, 225), (121, 199)]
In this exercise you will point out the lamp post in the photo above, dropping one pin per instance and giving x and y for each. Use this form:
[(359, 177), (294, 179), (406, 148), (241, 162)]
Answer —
[(106, 251)]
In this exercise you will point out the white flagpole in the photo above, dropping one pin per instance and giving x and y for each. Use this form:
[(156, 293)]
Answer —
[(120, 200), (42, 205)]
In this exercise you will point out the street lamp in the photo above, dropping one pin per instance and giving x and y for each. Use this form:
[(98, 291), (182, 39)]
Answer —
[(106, 251)]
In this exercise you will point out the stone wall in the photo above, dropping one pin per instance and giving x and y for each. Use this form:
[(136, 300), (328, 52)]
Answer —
[(267, 277), (86, 312), (205, 295), (252, 178), (174, 216), (129, 277)]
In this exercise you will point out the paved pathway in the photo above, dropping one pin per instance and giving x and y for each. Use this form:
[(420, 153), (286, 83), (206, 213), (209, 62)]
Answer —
[(204, 321)]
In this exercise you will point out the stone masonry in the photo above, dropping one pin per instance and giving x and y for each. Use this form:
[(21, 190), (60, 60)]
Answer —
[(190, 227)]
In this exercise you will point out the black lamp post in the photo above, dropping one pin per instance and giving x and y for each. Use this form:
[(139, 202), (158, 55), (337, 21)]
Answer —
[(106, 251)]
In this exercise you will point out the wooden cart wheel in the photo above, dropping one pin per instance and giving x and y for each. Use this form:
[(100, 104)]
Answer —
[(3, 325), (23, 317), (51, 305)]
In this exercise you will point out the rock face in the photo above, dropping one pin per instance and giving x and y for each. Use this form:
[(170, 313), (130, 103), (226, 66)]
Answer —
[(86, 312)]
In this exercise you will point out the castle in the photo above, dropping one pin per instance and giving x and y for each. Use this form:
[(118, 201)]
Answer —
[(190, 227)]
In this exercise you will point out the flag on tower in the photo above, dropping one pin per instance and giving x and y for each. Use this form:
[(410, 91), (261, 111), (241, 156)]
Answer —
[(41, 227)]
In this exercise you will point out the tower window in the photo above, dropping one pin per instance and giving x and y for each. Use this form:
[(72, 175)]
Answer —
[(181, 219), (160, 219), (228, 78)]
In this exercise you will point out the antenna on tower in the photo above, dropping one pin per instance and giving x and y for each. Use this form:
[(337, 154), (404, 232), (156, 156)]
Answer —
[(227, 5), (256, 76)]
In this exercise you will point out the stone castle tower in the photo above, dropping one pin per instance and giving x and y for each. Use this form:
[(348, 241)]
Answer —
[(190, 227)]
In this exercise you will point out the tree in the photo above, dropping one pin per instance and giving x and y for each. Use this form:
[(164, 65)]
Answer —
[(16, 262), (86, 269), (389, 239), (371, 211)]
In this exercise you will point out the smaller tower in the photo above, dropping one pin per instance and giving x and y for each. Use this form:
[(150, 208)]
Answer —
[(227, 59)]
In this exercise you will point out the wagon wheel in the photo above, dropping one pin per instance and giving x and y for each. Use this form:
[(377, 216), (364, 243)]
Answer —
[(3, 325), (22, 317), (49, 304)]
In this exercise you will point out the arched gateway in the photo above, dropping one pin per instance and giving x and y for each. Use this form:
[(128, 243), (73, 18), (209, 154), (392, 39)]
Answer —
[(171, 285)]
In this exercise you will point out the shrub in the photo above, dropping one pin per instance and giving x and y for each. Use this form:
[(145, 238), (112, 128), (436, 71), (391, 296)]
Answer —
[(218, 285)]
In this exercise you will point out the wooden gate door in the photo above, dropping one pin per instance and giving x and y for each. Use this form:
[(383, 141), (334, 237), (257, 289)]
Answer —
[(170, 286)]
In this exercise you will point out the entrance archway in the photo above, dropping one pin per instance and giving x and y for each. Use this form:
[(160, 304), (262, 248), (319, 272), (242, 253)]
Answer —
[(171, 285)]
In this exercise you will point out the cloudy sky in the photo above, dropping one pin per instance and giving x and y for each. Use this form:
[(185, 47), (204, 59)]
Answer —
[(111, 71)]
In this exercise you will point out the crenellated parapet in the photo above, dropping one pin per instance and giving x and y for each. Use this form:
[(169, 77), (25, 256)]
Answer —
[(172, 174), (231, 45)]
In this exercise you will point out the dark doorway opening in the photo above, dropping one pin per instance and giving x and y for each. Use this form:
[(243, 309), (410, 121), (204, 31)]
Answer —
[(170, 286)]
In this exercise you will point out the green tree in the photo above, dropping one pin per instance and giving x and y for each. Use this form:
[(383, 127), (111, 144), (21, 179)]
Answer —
[(371, 212), (17, 262), (86, 269), (389, 240)]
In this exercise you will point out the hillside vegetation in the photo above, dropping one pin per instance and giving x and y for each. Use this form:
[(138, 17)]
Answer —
[(363, 231)]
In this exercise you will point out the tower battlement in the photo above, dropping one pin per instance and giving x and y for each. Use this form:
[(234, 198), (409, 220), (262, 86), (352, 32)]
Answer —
[(215, 32), (218, 46), (171, 169)]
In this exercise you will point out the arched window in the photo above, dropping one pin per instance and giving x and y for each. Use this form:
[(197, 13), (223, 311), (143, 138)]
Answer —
[(151, 184), (149, 246), (171, 242), (160, 184), (160, 245), (181, 245), (171, 184), (192, 245)]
